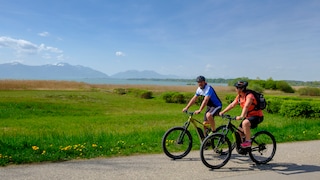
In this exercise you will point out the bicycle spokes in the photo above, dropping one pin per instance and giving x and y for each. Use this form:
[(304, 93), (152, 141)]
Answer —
[(215, 151), (177, 142), (263, 147)]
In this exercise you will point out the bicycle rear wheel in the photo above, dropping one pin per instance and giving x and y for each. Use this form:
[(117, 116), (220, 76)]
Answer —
[(177, 142), (263, 147), (215, 151)]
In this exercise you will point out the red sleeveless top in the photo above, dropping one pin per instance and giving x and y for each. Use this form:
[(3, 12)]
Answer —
[(251, 111)]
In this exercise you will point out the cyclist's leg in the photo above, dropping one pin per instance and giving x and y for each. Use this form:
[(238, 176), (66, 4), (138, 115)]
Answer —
[(210, 113), (245, 126), (205, 128), (248, 124), (206, 122)]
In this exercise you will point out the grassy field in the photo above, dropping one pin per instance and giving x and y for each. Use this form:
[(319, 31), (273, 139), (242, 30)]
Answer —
[(58, 120)]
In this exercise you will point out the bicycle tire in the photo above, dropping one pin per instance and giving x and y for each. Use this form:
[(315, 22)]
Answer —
[(175, 148), (263, 147), (215, 151), (222, 129)]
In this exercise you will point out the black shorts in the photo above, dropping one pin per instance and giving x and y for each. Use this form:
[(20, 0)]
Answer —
[(214, 111), (254, 121)]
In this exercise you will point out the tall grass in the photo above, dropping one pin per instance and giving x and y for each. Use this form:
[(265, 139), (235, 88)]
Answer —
[(57, 125)]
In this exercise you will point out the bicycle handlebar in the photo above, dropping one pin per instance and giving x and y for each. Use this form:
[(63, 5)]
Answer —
[(189, 112), (227, 116)]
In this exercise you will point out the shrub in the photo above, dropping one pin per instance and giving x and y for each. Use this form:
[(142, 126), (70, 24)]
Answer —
[(230, 98), (315, 107), (274, 105), (188, 96), (260, 85), (120, 91), (284, 86), (257, 87), (258, 82), (309, 91), (174, 97), (296, 109), (141, 93), (167, 97), (146, 95), (270, 84), (178, 98)]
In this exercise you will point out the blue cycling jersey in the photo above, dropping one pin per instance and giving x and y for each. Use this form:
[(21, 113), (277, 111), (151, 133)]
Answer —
[(209, 91)]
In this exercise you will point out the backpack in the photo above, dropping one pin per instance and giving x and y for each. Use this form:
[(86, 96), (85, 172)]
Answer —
[(261, 101)]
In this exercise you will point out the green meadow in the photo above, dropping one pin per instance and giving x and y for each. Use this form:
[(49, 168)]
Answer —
[(58, 125)]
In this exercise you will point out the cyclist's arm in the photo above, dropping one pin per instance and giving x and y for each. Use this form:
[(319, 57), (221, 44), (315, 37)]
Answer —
[(230, 106), (203, 104), (191, 102)]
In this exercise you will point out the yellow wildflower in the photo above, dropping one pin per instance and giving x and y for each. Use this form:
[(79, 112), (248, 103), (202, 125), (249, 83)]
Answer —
[(66, 148), (35, 148)]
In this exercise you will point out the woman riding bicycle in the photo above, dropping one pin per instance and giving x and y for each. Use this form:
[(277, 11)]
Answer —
[(250, 116)]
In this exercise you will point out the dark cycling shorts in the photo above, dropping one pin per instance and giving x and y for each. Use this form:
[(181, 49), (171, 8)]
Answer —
[(214, 111), (254, 121)]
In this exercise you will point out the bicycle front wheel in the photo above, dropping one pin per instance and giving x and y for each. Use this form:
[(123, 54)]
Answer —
[(177, 142), (215, 151), (263, 147), (223, 129)]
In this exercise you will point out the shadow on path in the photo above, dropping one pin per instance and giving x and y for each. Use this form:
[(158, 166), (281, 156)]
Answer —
[(289, 168)]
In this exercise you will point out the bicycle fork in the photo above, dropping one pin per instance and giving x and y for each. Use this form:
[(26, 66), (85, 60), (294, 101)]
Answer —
[(181, 136)]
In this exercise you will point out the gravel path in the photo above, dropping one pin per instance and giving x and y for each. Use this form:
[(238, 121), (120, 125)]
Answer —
[(299, 160)]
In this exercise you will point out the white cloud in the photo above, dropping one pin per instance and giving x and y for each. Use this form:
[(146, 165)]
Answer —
[(119, 53), (21, 47), (44, 34), (42, 47)]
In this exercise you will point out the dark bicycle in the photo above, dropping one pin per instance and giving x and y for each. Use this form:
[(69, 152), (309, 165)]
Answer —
[(216, 149)]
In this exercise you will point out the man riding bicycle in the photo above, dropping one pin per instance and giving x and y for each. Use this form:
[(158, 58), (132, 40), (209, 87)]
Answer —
[(211, 101)]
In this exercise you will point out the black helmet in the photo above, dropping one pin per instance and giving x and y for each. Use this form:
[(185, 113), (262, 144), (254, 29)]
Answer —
[(201, 78), (241, 84)]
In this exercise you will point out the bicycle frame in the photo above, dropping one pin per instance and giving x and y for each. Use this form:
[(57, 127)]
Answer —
[(196, 125), (177, 141), (235, 132)]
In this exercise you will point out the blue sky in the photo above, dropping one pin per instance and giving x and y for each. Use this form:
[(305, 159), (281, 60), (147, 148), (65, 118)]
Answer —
[(215, 38)]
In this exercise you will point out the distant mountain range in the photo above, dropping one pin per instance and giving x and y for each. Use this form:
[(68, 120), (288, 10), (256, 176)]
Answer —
[(60, 71), (65, 71)]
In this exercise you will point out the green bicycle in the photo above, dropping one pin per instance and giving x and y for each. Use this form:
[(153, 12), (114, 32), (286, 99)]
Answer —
[(177, 141)]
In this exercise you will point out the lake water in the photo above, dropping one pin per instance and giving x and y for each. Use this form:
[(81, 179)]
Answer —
[(143, 82)]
